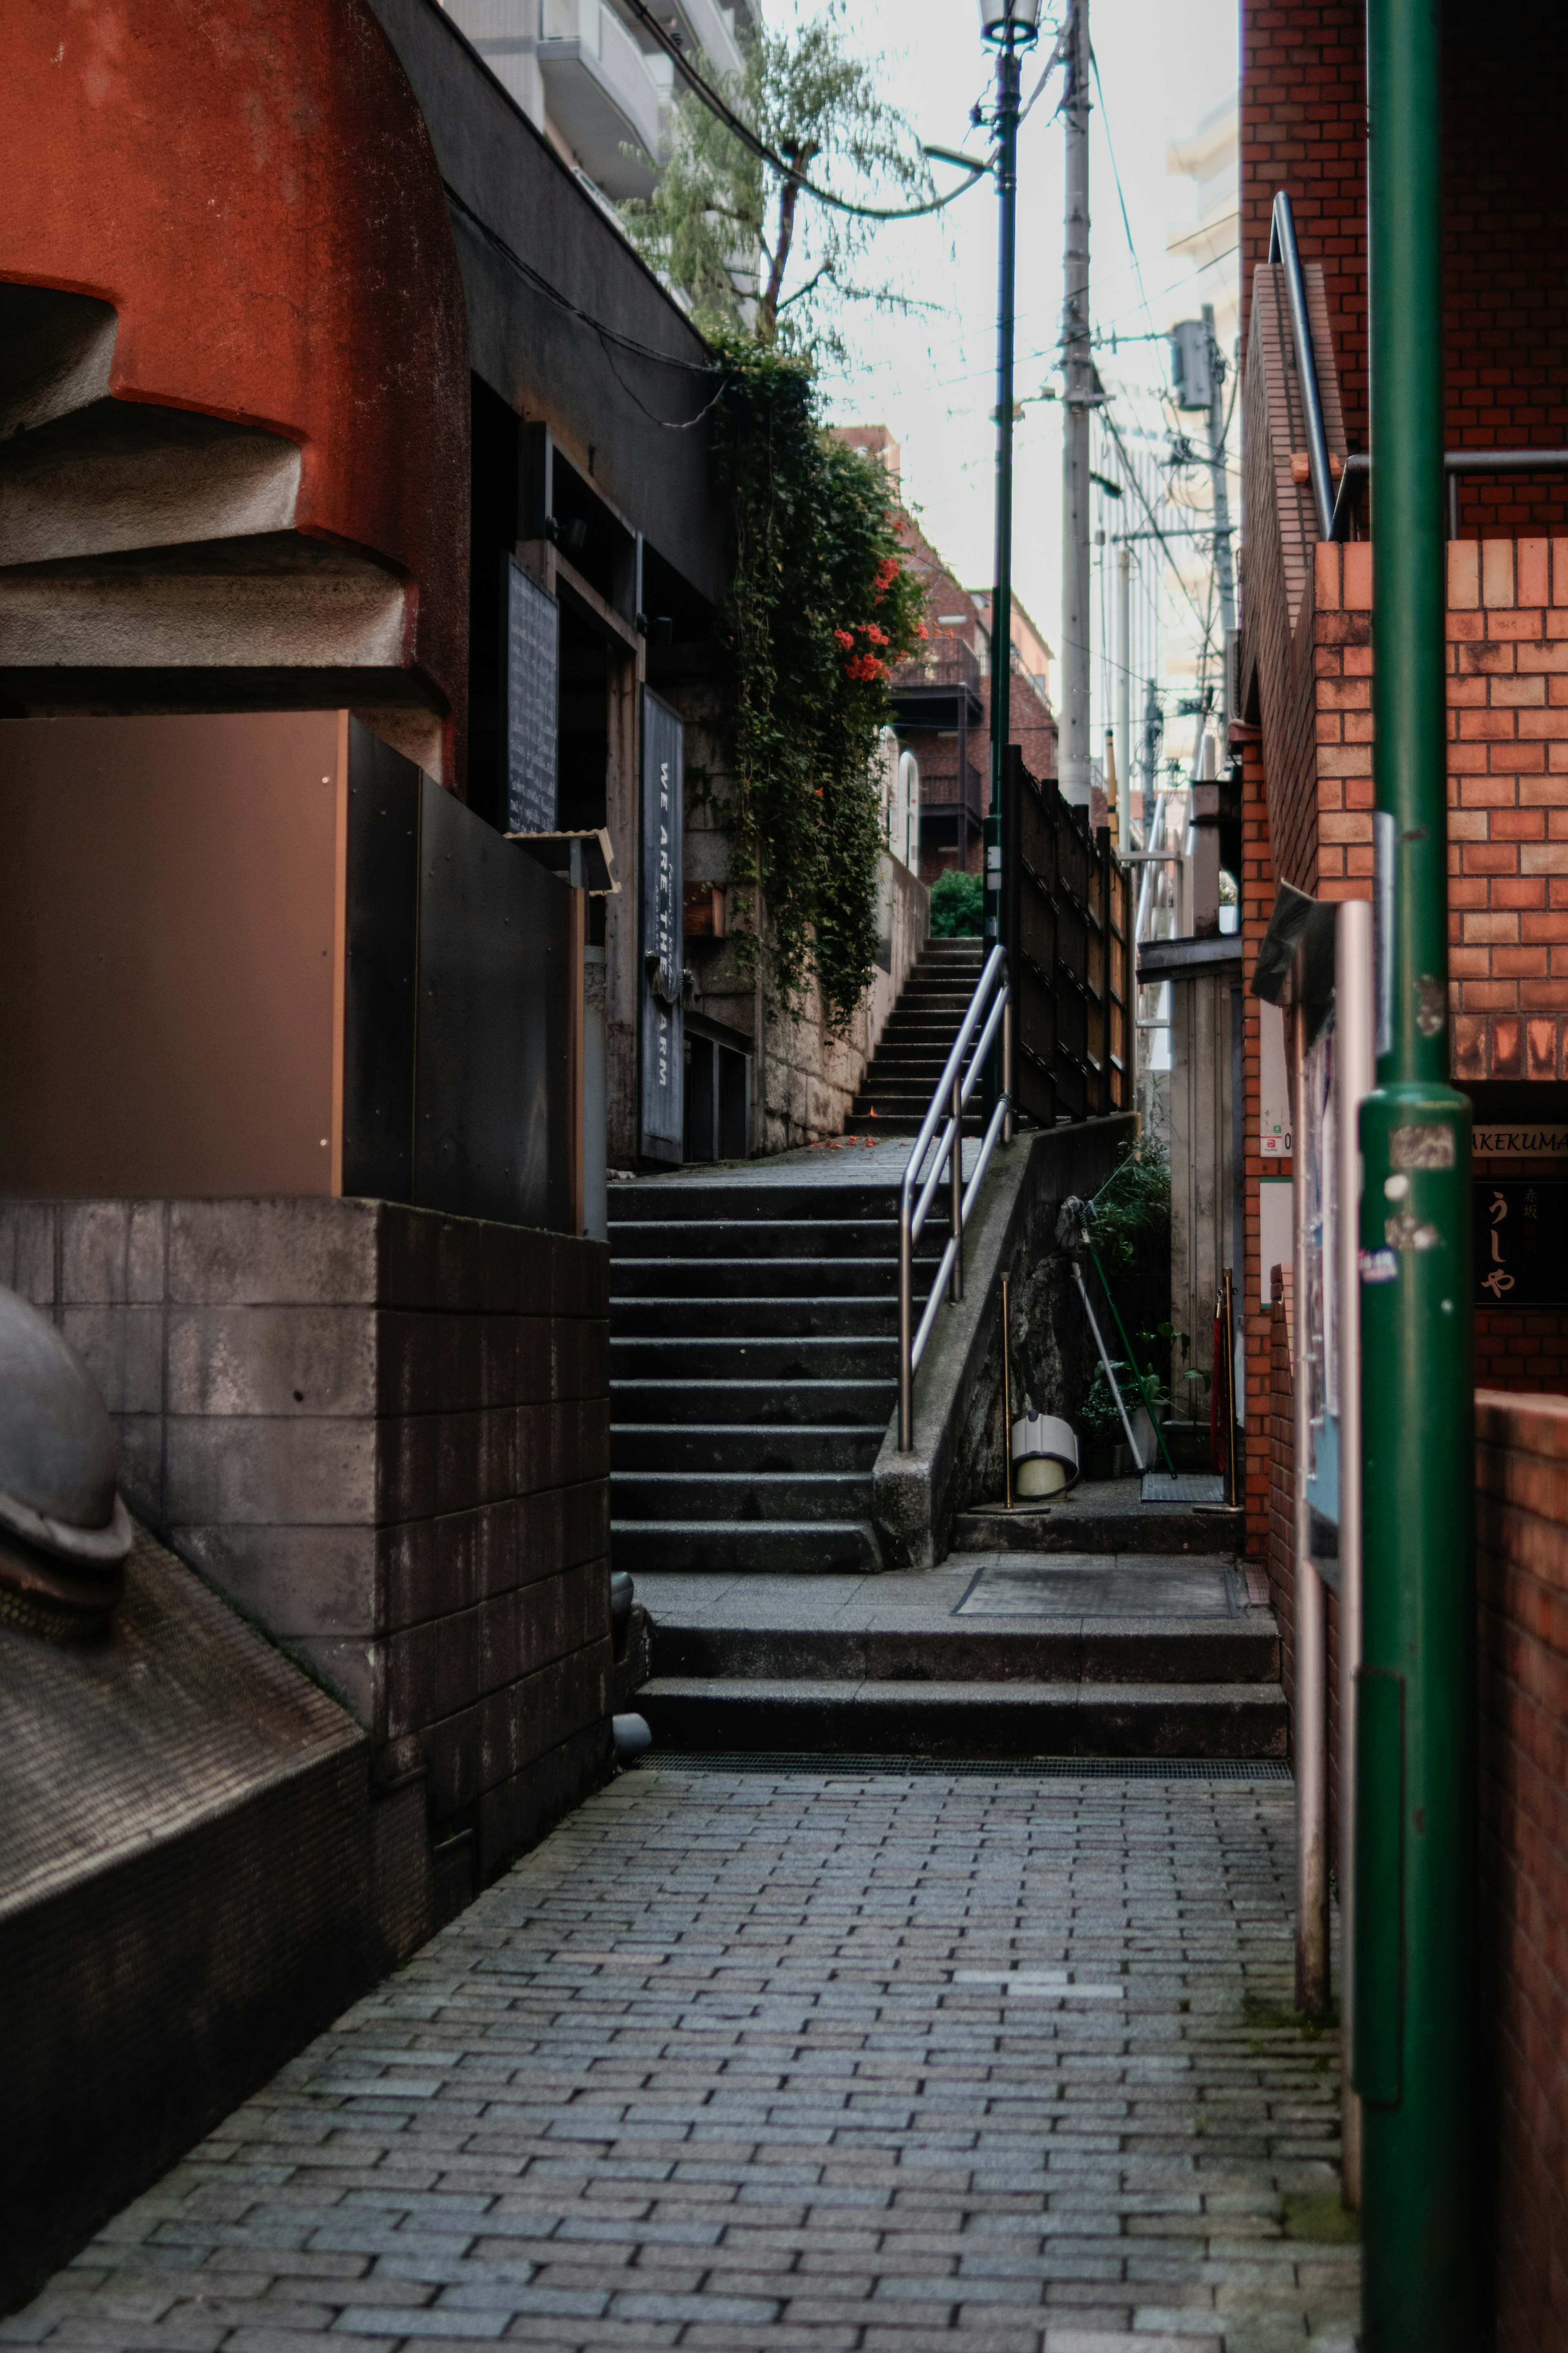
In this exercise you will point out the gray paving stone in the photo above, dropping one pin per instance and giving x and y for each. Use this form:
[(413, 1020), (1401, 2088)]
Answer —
[(702, 2071)]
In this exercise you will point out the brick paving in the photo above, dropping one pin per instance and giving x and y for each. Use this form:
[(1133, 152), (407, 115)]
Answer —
[(820, 2061)]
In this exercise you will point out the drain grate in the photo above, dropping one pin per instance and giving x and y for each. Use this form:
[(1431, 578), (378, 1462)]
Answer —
[(1026, 1768)]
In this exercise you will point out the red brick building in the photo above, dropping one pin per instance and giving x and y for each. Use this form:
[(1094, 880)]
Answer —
[(941, 700)]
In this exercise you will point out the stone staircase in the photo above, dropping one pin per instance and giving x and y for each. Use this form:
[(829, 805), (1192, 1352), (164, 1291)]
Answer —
[(753, 1331), (915, 1043)]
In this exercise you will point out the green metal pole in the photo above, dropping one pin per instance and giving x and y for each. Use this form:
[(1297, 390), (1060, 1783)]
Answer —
[(1415, 1877), (1009, 73)]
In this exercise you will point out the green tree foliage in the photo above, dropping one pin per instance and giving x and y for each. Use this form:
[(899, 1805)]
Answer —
[(957, 906), (726, 231), (821, 608)]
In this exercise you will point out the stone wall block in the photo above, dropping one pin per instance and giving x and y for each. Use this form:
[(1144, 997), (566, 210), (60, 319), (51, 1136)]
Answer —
[(407, 1378), (534, 1265), (459, 1362), (406, 1468), (292, 1581), (498, 1360), (295, 1251), (112, 1252), (464, 1267), (542, 1536), (409, 1571), (535, 1360), (243, 1469), (28, 1249), (139, 1439), (122, 1349), (285, 1361), (535, 1444), (457, 1461), (499, 1621), (406, 1256), (498, 1548), (456, 1572)]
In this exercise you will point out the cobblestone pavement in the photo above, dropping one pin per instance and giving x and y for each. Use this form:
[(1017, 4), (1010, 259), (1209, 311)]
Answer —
[(837, 2060)]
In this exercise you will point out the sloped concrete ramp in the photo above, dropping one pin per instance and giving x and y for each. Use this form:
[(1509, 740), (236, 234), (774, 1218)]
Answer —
[(193, 1880)]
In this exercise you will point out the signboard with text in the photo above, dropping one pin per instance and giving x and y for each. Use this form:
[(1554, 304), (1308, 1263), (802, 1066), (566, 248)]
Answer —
[(1520, 1236), (663, 932), (532, 670)]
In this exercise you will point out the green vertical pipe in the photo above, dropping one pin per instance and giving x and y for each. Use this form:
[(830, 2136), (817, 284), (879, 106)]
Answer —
[(1414, 1896)]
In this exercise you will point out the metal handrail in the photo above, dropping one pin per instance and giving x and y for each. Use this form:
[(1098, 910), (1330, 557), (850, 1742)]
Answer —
[(954, 1089), (1282, 248), (1334, 500)]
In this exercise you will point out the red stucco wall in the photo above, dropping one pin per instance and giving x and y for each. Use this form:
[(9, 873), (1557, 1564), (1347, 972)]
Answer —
[(251, 184)]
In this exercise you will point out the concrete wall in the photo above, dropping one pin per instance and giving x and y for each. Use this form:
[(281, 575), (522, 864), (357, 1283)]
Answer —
[(383, 1434), (808, 1079), (530, 349), (1202, 1200)]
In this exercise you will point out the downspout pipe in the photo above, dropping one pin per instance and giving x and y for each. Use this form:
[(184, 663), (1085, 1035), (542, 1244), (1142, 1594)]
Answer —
[(1416, 1730)]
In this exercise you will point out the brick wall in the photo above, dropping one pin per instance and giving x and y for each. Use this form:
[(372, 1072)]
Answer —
[(1507, 852), (1522, 1660), (1256, 884), (383, 1433), (1303, 126), (1505, 210)]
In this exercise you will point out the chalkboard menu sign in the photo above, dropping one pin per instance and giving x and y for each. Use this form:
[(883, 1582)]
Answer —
[(1519, 1234), (533, 670), (663, 940)]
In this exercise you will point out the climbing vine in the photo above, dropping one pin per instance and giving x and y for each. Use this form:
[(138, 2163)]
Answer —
[(821, 609)]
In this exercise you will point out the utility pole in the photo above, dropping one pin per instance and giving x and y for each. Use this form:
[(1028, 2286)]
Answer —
[(1078, 398), (1124, 695), (1414, 2028), (1225, 570), (1005, 123)]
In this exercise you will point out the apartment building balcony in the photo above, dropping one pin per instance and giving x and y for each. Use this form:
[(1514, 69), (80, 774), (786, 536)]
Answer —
[(700, 26), (601, 95)]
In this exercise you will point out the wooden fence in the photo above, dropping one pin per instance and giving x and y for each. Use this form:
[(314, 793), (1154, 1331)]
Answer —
[(1067, 924)]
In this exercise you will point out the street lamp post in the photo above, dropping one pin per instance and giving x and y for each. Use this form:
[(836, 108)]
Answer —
[(1012, 25)]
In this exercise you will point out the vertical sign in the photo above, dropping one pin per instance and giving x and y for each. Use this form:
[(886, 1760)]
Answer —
[(663, 943), (532, 670)]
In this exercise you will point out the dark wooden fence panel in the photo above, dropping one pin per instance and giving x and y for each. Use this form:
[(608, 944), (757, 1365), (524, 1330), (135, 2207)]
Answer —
[(1065, 925)]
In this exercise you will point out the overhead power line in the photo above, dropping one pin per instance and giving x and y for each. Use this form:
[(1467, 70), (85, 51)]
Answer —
[(717, 104)]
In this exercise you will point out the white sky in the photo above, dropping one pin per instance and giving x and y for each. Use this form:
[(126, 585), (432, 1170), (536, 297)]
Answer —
[(930, 379)]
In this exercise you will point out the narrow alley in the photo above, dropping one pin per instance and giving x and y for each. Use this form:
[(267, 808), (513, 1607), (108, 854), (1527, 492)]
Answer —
[(791, 2055)]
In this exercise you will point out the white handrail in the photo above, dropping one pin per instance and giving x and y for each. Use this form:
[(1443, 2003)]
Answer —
[(952, 1091)]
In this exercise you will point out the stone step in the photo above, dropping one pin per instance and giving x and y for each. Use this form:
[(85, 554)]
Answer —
[(930, 1718), (658, 1199), (709, 1445), (745, 1547), (742, 1278), (738, 1356), (846, 1317), (1091, 1526), (742, 1496), (793, 1237), (855, 1404), (1242, 1649)]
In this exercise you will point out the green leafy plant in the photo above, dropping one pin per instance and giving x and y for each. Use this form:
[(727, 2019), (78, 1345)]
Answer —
[(1099, 1414), (957, 906), (725, 229), (1134, 1205), (821, 608)]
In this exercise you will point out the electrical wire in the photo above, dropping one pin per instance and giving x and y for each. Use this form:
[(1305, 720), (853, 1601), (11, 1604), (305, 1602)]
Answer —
[(719, 106), (542, 285)]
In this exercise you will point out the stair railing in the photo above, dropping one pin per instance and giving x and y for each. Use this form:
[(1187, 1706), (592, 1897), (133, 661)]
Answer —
[(1283, 249), (916, 1194)]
